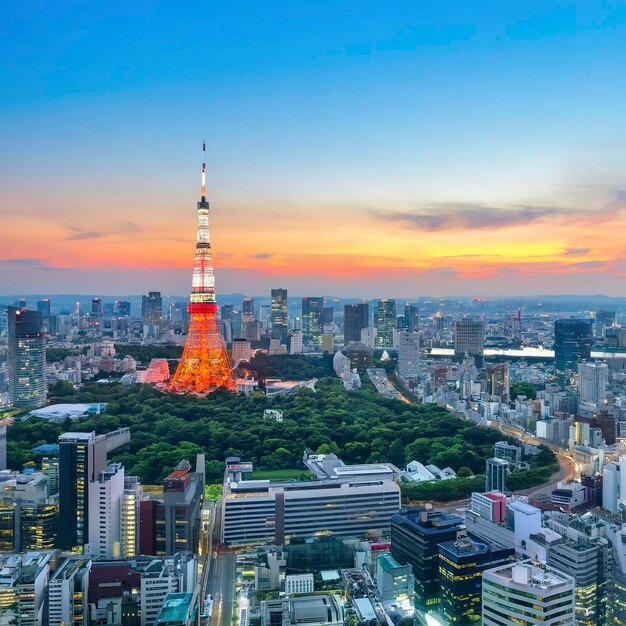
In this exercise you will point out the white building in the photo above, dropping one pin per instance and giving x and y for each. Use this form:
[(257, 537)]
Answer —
[(129, 517), (593, 382), (524, 594), (614, 486), (299, 583), (105, 499), (241, 350), (67, 592), (295, 347), (408, 354)]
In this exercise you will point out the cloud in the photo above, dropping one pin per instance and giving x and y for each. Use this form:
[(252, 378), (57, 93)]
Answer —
[(262, 255), (121, 228), (577, 251), (456, 216)]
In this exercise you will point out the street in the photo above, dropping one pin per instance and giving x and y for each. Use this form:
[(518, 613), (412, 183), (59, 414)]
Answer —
[(221, 586)]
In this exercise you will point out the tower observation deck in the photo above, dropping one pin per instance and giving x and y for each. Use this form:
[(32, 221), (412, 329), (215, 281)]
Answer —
[(205, 364)]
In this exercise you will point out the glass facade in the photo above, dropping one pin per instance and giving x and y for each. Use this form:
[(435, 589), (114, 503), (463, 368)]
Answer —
[(312, 319), (572, 345)]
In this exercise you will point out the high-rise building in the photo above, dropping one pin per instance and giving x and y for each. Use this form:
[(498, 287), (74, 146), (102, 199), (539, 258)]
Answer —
[(226, 312), (469, 338), (122, 308), (296, 343), (593, 382), (43, 306), (415, 537), (152, 309), (411, 317), (355, 319), (105, 498), (496, 471), (205, 364), (67, 593), (408, 354), (584, 560), (572, 345), (312, 319), (97, 310), (241, 350), (329, 315), (279, 316), (525, 594), (129, 517), (82, 457), (178, 515), (604, 320), (26, 358), (385, 321), (247, 310), (614, 486), (497, 380), (461, 566)]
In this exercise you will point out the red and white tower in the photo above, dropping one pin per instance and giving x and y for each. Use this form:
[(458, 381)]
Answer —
[(205, 364)]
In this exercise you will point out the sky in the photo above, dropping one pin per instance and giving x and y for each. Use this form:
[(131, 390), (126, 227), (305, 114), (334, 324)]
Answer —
[(355, 149)]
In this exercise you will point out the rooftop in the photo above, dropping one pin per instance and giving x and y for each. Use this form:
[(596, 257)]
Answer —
[(175, 609)]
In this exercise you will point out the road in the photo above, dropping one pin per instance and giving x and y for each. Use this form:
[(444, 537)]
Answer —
[(222, 586)]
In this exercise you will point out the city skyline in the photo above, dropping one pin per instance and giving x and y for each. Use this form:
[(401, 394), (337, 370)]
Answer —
[(368, 152)]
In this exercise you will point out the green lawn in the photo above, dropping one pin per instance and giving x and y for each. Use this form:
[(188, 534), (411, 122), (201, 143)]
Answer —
[(283, 474)]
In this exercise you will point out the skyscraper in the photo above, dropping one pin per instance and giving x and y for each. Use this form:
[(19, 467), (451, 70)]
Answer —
[(26, 358), (408, 354), (572, 345), (593, 382), (385, 316), (43, 306), (604, 320), (355, 318), (82, 457), (247, 310), (469, 338), (279, 316), (205, 364), (152, 308), (312, 319), (495, 478), (411, 317), (122, 307), (498, 381)]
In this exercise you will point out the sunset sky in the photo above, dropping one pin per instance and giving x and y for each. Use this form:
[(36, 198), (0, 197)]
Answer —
[(383, 148)]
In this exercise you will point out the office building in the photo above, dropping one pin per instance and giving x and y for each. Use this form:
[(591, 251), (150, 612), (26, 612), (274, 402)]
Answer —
[(226, 312), (385, 322), (178, 515), (26, 358), (415, 537), (122, 308), (604, 320), (329, 315), (411, 317), (179, 609), (23, 587), (355, 319), (461, 566), (299, 583), (82, 457), (355, 506), (469, 339), (395, 582), (68, 593), (328, 343), (572, 345), (43, 306), (497, 381), (279, 317), (495, 478), (247, 310), (489, 506), (105, 498), (593, 382), (584, 560), (614, 486), (525, 594), (507, 451), (408, 354), (312, 319), (152, 309), (241, 350), (97, 309), (296, 344)]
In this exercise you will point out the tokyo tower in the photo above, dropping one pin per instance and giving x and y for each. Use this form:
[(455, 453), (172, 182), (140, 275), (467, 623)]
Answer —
[(205, 364)]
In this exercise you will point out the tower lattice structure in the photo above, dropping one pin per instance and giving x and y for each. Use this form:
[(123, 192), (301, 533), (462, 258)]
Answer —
[(205, 364)]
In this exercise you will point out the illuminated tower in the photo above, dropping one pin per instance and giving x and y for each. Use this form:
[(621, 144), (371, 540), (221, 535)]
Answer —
[(205, 365)]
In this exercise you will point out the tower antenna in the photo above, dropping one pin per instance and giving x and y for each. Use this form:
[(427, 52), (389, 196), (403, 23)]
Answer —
[(203, 170)]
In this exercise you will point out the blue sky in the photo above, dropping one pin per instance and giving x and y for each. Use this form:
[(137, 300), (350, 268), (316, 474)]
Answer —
[(324, 110)]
